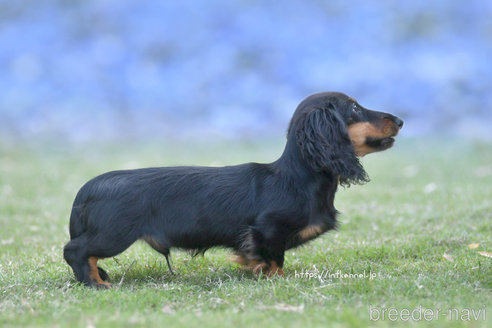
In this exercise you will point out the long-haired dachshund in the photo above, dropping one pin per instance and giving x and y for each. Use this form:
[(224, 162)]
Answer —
[(258, 210)]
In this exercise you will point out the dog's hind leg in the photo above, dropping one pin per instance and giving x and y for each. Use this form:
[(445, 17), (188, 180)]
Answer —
[(83, 252), (85, 268), (71, 253), (94, 276), (104, 245), (103, 274)]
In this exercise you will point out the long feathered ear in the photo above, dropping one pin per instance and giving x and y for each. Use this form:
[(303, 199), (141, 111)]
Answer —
[(325, 144)]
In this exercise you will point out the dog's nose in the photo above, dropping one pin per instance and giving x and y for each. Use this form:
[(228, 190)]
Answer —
[(398, 122), (394, 119)]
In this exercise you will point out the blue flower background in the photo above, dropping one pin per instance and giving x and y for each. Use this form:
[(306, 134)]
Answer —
[(111, 69)]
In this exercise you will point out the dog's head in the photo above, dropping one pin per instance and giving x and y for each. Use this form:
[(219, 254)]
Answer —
[(332, 130)]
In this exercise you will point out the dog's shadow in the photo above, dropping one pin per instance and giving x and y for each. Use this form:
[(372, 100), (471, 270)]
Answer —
[(202, 273)]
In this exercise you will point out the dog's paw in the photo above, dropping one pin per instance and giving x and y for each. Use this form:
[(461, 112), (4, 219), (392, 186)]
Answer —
[(268, 269)]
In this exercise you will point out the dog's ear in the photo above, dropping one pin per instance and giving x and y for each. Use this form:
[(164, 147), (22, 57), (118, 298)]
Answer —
[(325, 144)]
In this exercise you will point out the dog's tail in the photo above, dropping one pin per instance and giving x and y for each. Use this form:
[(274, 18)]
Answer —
[(78, 216), (77, 226)]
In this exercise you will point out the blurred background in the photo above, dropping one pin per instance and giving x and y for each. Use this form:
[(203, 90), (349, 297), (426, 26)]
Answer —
[(85, 70)]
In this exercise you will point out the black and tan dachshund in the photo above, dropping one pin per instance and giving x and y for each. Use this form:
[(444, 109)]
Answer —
[(258, 210)]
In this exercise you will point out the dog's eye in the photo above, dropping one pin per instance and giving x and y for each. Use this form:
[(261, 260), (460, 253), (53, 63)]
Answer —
[(355, 108)]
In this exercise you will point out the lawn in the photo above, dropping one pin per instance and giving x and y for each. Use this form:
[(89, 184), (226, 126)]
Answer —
[(413, 239)]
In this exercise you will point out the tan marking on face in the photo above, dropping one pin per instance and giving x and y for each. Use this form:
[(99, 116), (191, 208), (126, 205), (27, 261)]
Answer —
[(352, 99), (94, 272), (358, 133), (310, 232)]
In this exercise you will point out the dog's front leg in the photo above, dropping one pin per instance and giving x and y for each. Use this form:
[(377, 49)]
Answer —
[(269, 247)]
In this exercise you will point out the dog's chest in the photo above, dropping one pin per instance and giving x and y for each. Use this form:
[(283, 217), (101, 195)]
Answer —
[(322, 216), (318, 223)]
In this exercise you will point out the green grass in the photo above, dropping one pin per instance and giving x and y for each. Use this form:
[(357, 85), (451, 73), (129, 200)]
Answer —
[(426, 199)]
